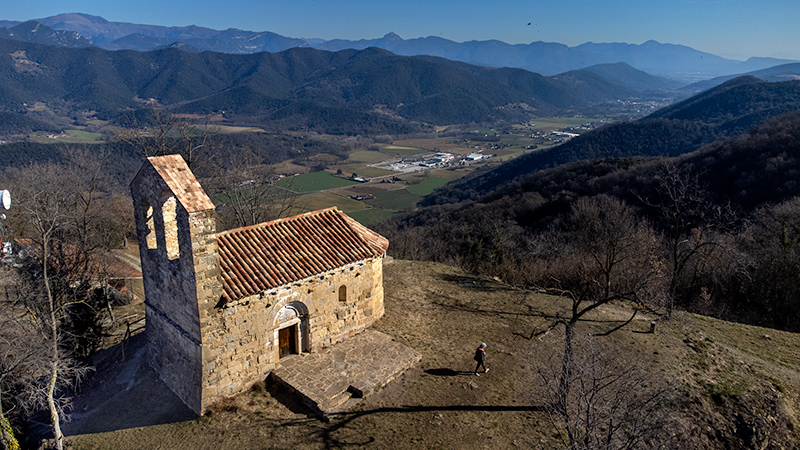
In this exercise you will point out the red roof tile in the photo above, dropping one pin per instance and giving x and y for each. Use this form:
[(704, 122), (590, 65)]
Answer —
[(182, 182), (260, 257)]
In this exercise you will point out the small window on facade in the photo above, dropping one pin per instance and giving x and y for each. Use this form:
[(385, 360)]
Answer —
[(147, 210), (343, 293), (171, 228)]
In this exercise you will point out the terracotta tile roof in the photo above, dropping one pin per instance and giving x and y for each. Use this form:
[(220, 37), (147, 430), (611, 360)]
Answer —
[(181, 181), (271, 254)]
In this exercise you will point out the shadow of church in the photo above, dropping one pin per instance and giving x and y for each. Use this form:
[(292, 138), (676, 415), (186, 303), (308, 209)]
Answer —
[(124, 393)]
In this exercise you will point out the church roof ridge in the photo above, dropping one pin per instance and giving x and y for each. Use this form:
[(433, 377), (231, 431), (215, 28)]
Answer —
[(270, 254)]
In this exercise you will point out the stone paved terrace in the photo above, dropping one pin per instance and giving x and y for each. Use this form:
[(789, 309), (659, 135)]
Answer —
[(336, 378)]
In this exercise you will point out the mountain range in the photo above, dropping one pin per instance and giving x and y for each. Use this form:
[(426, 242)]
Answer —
[(665, 60), (313, 86)]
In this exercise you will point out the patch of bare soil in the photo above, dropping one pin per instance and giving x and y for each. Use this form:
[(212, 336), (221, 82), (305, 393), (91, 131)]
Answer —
[(728, 392)]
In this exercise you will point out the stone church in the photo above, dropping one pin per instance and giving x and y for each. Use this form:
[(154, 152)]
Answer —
[(222, 309)]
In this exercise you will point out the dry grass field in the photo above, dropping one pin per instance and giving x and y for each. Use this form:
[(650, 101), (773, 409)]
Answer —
[(731, 383)]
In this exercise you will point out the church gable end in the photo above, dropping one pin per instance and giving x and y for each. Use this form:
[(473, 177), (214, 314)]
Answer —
[(175, 228)]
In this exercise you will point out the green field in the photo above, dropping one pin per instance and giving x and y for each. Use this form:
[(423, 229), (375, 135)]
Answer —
[(400, 199), (314, 181), (364, 171), (321, 200), (366, 157), (401, 150), (516, 139), (353, 208), (557, 123), (371, 215), (427, 186), (70, 137), (325, 157), (84, 136), (450, 174)]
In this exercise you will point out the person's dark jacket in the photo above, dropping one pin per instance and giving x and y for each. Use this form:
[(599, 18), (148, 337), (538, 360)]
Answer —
[(480, 355)]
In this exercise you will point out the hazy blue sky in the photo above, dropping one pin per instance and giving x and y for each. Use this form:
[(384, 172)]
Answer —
[(731, 28)]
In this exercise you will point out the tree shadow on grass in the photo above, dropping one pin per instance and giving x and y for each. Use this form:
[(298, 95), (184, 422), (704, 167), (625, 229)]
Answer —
[(445, 372), (342, 420), (475, 283)]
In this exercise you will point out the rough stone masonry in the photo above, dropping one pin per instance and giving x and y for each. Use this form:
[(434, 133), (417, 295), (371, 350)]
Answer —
[(223, 308)]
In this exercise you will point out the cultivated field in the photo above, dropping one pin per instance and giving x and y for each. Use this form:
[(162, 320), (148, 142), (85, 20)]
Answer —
[(413, 186), (314, 181)]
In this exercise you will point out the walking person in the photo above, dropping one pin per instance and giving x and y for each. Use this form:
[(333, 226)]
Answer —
[(480, 357)]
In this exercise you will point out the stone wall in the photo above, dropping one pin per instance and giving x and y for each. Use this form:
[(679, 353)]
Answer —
[(175, 356), (180, 274), (240, 338), (204, 349)]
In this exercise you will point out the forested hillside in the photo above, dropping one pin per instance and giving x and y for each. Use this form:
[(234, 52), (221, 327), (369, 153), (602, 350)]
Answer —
[(221, 152), (726, 217), (14, 123), (300, 86)]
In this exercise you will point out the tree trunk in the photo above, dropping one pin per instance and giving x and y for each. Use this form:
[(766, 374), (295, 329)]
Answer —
[(54, 419), (7, 439), (565, 382), (51, 384)]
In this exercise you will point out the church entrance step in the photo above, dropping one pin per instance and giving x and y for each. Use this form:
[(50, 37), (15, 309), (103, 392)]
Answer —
[(334, 379)]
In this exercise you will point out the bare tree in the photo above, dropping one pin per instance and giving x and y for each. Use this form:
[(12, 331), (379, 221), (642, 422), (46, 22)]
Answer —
[(87, 181), (47, 204), (163, 133), (21, 360), (606, 254), (196, 145), (151, 136), (248, 193), (771, 274), (615, 402), (691, 221)]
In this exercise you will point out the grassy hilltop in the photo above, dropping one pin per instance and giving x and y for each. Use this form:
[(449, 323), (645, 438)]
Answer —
[(727, 385)]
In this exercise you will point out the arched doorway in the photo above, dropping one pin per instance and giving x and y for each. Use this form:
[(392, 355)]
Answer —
[(291, 330)]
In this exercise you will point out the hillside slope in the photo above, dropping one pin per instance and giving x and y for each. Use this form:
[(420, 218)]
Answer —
[(428, 89), (729, 386), (738, 202)]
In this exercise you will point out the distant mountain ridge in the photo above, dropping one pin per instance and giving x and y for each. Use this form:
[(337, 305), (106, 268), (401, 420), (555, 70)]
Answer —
[(33, 31), (302, 85), (665, 60), (782, 72)]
